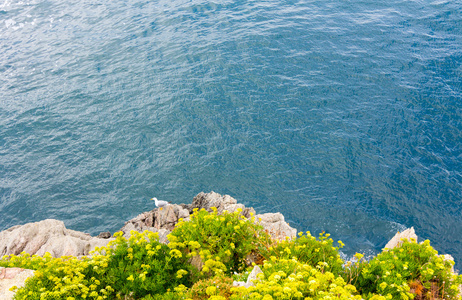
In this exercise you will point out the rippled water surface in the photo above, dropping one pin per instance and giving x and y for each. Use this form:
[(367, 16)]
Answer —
[(343, 115)]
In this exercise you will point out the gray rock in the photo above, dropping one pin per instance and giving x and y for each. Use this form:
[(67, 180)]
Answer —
[(197, 262), (167, 217), (276, 226), (104, 235), (239, 283), (253, 276), (397, 240), (226, 202), (10, 277), (47, 236), (160, 218)]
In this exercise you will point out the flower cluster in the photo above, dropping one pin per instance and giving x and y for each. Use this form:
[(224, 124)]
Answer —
[(405, 272), (138, 267), (291, 279), (221, 241), (306, 248)]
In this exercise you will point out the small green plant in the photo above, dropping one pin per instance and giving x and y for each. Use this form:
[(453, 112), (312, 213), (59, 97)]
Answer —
[(406, 272), (307, 249), (222, 241), (219, 285)]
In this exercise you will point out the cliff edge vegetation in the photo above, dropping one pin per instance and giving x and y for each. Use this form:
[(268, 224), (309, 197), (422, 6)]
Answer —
[(211, 254)]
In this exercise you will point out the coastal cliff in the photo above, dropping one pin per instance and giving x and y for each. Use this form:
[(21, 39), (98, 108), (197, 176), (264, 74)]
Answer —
[(264, 241), (53, 237)]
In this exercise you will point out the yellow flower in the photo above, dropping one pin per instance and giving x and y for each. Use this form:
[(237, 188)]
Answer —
[(142, 276), (180, 289), (175, 253), (210, 290), (180, 273), (130, 278), (93, 294)]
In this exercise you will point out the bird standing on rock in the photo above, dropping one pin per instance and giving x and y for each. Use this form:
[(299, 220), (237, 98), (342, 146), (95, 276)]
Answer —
[(160, 203)]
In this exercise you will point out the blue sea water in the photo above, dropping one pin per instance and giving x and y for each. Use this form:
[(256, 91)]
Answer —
[(345, 116)]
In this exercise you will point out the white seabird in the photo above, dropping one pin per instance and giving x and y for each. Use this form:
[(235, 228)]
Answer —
[(160, 203)]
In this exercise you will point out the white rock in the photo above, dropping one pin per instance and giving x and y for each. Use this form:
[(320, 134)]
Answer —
[(253, 276), (226, 202), (397, 240), (47, 236), (10, 277), (276, 226), (250, 279)]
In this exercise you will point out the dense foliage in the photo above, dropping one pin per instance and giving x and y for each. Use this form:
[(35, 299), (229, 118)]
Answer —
[(222, 241), (407, 271), (309, 250), (208, 252), (136, 267), (292, 279)]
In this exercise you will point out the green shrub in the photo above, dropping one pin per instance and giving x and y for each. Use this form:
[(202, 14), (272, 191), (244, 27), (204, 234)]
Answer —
[(222, 241), (291, 279), (404, 272), (308, 249), (137, 267), (217, 286), (141, 265), (57, 278)]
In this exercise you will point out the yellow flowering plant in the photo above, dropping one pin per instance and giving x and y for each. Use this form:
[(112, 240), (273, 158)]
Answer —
[(219, 285), (59, 278), (222, 241), (141, 265), (138, 267), (284, 278), (311, 250), (410, 270)]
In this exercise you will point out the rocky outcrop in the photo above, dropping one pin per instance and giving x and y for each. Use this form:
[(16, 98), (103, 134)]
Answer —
[(156, 219), (161, 220), (410, 235), (226, 202), (47, 236), (397, 240), (164, 219), (253, 276), (276, 226), (10, 277), (53, 237)]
